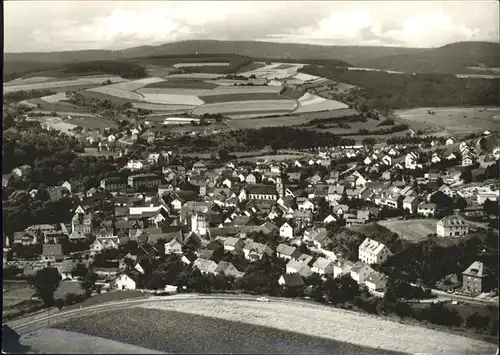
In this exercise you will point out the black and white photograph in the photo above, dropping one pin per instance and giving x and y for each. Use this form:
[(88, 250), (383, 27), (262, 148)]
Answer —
[(251, 177)]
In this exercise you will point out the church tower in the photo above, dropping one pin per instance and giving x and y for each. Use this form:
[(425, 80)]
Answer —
[(199, 224), (280, 187)]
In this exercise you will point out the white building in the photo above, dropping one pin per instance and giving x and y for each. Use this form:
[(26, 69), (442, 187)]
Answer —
[(373, 252), (360, 272), (452, 226), (124, 282), (286, 231)]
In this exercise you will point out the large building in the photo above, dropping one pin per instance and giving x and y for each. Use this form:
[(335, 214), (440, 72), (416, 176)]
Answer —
[(452, 226), (144, 181), (262, 192), (373, 252), (473, 278), (114, 184)]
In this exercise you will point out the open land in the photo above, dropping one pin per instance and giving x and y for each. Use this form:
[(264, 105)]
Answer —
[(414, 230), (267, 328), (244, 106), (210, 99), (91, 80), (181, 84), (452, 120), (211, 64)]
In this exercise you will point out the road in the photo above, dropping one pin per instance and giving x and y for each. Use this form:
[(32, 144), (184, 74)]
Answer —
[(441, 295), (23, 326)]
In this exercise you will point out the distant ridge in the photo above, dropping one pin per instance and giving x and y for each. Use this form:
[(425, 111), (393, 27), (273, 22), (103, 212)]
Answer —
[(451, 58)]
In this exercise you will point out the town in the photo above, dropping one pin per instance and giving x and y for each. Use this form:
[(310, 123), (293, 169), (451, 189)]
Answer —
[(402, 221)]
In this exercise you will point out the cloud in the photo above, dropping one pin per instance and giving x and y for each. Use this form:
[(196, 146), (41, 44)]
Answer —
[(114, 25)]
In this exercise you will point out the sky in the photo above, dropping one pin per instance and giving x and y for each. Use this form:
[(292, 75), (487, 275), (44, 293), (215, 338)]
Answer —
[(44, 26)]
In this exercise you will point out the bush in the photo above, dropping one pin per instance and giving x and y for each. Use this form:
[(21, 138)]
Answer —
[(72, 298)]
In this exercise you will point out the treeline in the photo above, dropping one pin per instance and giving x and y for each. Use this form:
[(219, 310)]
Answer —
[(123, 69), (254, 139), (235, 64), (22, 95), (381, 89)]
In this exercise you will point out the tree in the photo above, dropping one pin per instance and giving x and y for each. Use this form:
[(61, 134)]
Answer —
[(45, 283), (88, 283), (80, 271)]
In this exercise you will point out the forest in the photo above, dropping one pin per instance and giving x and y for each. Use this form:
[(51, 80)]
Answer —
[(383, 90)]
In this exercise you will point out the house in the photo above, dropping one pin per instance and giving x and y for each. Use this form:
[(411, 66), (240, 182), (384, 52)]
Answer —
[(173, 247), (251, 179), (103, 243), (376, 281), (66, 269), (445, 189), (262, 192), (451, 141), (52, 253), (205, 266), (111, 138), (342, 267), (387, 160), (126, 281), (300, 267), (323, 267), (329, 219), (435, 158), (254, 251), (474, 278), (373, 252), (411, 160), (321, 240), (233, 244), (228, 269), (335, 193), (427, 209), (452, 226), (306, 205), (360, 272), (410, 203), (291, 280), (286, 231), (287, 252)]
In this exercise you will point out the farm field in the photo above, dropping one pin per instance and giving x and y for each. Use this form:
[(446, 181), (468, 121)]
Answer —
[(91, 80), (160, 107), (115, 92), (57, 106), (292, 93), (314, 103), (99, 95), (194, 76), (236, 116), (170, 99), (236, 82), (182, 84), (235, 90), (211, 99), (413, 230), (207, 64), (246, 123), (305, 77), (42, 341), (452, 120), (267, 328), (91, 122), (135, 84), (277, 157), (32, 80), (245, 106), (173, 332), (173, 91), (54, 98)]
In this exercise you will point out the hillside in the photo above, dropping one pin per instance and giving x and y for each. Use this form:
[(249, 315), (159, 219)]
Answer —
[(351, 54), (452, 58)]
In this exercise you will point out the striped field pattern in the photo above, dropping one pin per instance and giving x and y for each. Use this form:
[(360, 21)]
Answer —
[(244, 106), (121, 93)]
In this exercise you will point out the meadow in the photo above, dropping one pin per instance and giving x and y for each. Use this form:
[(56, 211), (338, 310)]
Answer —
[(62, 83), (413, 230), (211, 99), (182, 84), (452, 120)]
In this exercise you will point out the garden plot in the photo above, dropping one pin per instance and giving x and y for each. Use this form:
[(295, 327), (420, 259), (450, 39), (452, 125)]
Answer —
[(234, 90), (245, 106), (63, 83), (190, 65), (167, 99), (173, 91), (314, 103), (159, 107), (414, 230), (54, 98), (136, 84)]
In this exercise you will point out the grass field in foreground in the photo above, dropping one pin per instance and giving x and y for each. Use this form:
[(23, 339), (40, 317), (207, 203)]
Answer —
[(413, 230), (176, 332)]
